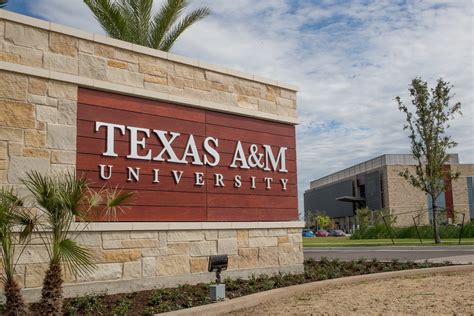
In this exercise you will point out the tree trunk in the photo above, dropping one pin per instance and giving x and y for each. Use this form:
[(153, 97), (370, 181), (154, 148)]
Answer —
[(437, 238), (15, 305), (51, 294)]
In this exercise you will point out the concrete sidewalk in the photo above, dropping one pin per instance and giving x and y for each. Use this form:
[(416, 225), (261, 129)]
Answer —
[(467, 259)]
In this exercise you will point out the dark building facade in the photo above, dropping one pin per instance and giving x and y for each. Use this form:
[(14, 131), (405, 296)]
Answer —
[(377, 185)]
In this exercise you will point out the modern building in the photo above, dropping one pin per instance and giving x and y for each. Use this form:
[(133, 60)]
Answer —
[(376, 183)]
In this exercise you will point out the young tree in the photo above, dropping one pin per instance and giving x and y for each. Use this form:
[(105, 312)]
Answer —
[(323, 221), (63, 199), (133, 20), (429, 143), (13, 216)]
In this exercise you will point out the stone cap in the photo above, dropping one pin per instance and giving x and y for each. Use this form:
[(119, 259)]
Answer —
[(48, 26)]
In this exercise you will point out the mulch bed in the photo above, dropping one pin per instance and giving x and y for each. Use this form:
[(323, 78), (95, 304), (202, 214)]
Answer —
[(186, 296)]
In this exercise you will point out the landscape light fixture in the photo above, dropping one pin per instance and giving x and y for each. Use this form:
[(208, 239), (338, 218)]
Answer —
[(217, 264)]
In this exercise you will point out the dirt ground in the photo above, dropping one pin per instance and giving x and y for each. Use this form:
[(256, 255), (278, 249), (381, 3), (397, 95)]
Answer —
[(448, 293)]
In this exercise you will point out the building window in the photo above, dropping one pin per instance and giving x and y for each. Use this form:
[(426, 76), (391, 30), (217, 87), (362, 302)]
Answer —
[(470, 197)]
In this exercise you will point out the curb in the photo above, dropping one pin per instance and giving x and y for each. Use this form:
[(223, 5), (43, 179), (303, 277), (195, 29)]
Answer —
[(281, 293)]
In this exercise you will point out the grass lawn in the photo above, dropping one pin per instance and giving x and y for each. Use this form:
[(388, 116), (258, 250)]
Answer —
[(346, 242)]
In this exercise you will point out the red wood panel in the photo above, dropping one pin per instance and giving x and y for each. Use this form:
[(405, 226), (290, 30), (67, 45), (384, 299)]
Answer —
[(185, 201)]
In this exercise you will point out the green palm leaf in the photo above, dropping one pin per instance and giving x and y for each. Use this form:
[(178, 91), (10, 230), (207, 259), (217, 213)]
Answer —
[(133, 20)]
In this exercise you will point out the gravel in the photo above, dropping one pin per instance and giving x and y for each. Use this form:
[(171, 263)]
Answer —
[(445, 293)]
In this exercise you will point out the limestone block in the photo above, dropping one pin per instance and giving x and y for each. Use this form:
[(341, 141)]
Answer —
[(35, 138), (2, 29), (294, 230), (35, 274), (163, 237), (89, 239), (132, 270), (267, 106), (86, 46), (103, 272), (35, 152), (104, 51), (125, 55), (18, 167), (263, 242), (43, 100), (152, 69), (295, 237), (149, 266), (155, 79), (247, 90), (116, 235), (9, 57), (277, 232), (243, 238), (154, 252), (248, 257), (227, 233), (282, 239), (258, 233), (3, 150), (117, 64), (176, 82), (290, 258), (11, 134), (13, 87), (19, 276), (124, 76), (14, 149), (203, 248), (268, 256), (61, 137), (17, 114), (63, 44), (201, 85), (28, 56), (60, 168), (46, 114), (287, 94), (214, 76), (27, 36), (60, 63), (3, 165), (210, 234), (37, 86), (143, 235), (67, 112), (192, 235), (118, 255), (181, 248), (286, 103), (227, 246), (199, 264), (139, 243), (33, 254), (195, 93), (173, 265), (63, 157), (281, 110), (62, 90), (184, 71), (288, 247), (92, 67)]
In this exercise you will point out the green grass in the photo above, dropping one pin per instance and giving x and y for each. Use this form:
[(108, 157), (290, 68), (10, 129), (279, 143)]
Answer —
[(346, 242)]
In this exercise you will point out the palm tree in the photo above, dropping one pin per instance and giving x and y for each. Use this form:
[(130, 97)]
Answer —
[(13, 215), (133, 20), (63, 200)]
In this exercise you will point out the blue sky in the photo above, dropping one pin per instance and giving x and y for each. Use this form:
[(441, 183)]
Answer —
[(350, 59)]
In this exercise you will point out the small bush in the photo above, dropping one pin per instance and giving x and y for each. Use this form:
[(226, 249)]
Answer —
[(122, 307), (89, 304), (379, 231)]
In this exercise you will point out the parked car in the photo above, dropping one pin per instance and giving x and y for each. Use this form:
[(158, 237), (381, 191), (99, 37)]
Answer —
[(308, 233), (336, 233), (322, 233)]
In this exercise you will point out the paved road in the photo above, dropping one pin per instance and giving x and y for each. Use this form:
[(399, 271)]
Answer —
[(388, 253)]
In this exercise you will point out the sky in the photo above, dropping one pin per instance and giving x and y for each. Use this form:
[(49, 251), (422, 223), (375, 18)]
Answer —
[(350, 59)]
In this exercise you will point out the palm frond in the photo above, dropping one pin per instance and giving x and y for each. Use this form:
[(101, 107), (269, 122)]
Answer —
[(76, 257), (111, 18), (186, 22), (163, 20)]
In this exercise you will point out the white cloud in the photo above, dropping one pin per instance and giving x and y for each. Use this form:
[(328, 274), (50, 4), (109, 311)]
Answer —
[(349, 59)]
